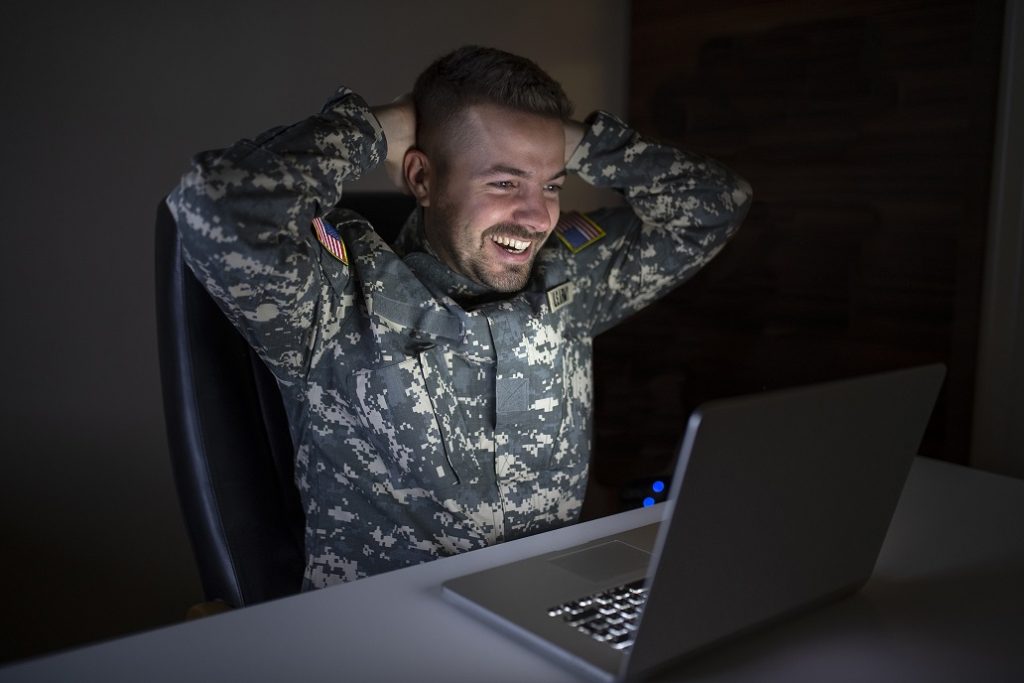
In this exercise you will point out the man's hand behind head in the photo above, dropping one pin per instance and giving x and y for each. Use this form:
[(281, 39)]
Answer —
[(574, 131), (398, 119)]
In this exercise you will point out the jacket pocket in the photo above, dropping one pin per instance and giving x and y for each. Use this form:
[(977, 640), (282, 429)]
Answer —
[(572, 447), (398, 409)]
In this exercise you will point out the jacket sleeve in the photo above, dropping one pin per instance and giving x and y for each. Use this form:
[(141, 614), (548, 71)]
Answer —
[(682, 210), (245, 216)]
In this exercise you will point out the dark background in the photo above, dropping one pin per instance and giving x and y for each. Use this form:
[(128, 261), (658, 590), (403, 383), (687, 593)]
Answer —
[(866, 128)]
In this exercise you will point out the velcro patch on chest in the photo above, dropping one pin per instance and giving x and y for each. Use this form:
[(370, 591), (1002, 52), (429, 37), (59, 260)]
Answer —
[(330, 239), (511, 394), (577, 231)]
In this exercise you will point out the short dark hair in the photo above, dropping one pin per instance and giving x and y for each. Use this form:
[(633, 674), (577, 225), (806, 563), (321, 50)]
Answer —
[(481, 75)]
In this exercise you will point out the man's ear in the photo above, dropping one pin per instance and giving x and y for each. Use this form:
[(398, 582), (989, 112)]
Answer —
[(419, 175)]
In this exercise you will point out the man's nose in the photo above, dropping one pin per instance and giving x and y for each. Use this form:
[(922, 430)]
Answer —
[(532, 211)]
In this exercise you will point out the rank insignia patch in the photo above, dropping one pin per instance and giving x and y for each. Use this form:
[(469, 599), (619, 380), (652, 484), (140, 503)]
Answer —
[(331, 240), (577, 231)]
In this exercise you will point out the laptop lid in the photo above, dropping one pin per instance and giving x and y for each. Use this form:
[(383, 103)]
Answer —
[(780, 501)]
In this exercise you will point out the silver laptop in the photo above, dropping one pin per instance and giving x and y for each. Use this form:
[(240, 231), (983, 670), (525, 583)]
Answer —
[(780, 502)]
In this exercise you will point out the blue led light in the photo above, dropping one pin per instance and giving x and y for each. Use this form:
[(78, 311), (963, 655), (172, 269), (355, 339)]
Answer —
[(658, 486), (648, 502)]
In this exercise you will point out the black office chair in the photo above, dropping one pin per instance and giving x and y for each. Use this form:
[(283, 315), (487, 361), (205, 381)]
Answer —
[(230, 446)]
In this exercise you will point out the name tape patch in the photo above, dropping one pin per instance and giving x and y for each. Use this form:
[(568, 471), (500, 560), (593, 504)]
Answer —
[(330, 239), (577, 231), (560, 296)]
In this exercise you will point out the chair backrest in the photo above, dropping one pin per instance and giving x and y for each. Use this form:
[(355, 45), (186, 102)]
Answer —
[(230, 446)]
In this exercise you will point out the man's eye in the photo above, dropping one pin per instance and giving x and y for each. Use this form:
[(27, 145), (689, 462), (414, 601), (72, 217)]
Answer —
[(503, 184), (553, 188)]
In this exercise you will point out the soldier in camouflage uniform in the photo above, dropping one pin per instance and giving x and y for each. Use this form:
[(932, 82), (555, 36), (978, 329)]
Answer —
[(439, 391)]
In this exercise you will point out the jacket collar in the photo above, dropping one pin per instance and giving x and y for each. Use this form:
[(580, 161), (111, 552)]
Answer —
[(416, 293)]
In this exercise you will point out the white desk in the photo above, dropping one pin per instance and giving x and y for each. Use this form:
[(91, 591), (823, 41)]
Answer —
[(946, 603)]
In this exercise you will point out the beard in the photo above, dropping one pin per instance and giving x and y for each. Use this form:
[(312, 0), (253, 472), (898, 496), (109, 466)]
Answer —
[(507, 277), (467, 253)]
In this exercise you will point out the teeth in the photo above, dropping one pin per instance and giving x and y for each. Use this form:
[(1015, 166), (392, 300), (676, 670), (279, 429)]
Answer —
[(518, 245)]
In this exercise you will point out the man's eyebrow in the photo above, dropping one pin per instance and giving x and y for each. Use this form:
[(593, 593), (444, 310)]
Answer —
[(502, 169)]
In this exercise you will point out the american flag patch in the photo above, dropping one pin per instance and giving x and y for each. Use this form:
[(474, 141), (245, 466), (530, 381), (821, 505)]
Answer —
[(577, 231), (331, 240)]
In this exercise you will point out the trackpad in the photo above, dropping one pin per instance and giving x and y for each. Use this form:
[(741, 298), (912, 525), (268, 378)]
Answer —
[(604, 562)]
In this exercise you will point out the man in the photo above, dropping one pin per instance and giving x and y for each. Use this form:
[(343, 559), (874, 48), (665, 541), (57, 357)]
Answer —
[(439, 392)]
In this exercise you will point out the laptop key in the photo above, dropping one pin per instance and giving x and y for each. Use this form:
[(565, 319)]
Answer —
[(594, 628), (582, 617), (621, 642)]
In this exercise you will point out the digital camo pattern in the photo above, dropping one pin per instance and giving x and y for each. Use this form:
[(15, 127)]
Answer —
[(429, 416)]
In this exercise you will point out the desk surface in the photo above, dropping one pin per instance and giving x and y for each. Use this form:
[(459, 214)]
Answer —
[(946, 603)]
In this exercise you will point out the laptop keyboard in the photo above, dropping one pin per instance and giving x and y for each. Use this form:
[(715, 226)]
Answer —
[(610, 616)]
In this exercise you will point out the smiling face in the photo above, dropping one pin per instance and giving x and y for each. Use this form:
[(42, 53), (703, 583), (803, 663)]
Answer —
[(491, 205)]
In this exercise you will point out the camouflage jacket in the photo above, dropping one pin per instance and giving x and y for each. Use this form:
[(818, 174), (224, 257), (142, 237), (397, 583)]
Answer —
[(429, 417)]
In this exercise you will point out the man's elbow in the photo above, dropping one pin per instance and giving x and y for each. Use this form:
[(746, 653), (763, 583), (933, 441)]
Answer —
[(742, 194)]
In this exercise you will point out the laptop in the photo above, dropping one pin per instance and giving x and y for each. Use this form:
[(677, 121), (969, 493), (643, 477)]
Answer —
[(780, 502)]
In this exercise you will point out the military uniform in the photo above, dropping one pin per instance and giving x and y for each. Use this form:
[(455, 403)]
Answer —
[(429, 415)]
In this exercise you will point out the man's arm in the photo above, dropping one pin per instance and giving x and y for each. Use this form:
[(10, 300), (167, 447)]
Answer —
[(245, 215), (682, 210)]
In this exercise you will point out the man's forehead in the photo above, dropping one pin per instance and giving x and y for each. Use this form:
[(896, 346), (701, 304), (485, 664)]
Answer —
[(498, 139)]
